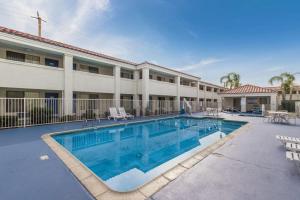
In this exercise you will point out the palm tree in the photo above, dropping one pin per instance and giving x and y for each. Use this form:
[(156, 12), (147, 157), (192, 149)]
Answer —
[(286, 81), (231, 80)]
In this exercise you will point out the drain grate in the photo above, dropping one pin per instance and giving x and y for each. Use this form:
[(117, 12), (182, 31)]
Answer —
[(218, 154), (44, 157)]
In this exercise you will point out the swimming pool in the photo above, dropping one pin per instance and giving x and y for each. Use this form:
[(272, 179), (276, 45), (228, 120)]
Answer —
[(127, 156)]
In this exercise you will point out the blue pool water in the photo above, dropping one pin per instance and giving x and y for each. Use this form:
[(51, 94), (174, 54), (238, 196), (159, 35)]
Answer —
[(127, 156)]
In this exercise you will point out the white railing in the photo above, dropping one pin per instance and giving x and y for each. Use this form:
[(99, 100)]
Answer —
[(23, 112)]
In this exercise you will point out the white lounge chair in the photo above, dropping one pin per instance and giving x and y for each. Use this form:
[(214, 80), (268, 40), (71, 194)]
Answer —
[(124, 114), (292, 147), (285, 139), (293, 156), (114, 114)]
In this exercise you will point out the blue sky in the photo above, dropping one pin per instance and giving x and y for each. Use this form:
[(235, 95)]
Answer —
[(208, 38)]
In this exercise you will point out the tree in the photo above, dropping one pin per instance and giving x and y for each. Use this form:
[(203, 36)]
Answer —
[(231, 80), (286, 81)]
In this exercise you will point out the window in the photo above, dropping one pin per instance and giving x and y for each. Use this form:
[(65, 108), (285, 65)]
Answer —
[(171, 80), (294, 92), (215, 89), (208, 89), (32, 59), (150, 76), (13, 103), (208, 100), (201, 87), (93, 70), (141, 75), (10, 55), (215, 100), (127, 74), (74, 66), (158, 78), (51, 62)]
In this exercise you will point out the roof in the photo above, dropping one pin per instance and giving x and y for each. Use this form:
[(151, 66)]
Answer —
[(248, 89), (78, 49), (149, 63), (211, 84), (277, 88), (60, 44)]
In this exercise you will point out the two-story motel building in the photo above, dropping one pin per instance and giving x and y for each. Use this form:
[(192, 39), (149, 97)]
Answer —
[(36, 67)]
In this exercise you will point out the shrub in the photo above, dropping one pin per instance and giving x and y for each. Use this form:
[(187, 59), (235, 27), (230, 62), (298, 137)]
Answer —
[(8, 121), (67, 118), (89, 114), (40, 115), (288, 105)]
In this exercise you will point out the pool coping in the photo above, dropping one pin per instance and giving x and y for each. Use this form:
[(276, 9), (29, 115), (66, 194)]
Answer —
[(99, 190)]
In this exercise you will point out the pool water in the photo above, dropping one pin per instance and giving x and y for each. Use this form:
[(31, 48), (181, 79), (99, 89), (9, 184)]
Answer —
[(127, 156)]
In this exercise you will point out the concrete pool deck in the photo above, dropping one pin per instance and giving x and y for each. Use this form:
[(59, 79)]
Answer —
[(251, 166)]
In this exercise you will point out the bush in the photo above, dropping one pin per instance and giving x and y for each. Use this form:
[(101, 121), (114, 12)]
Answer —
[(89, 114), (288, 105), (67, 118), (41, 115), (8, 121)]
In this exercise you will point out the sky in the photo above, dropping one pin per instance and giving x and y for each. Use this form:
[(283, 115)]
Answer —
[(208, 38)]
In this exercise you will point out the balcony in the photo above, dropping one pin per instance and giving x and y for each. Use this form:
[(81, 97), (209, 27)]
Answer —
[(16, 74), (127, 86), (162, 88), (188, 91), (89, 82)]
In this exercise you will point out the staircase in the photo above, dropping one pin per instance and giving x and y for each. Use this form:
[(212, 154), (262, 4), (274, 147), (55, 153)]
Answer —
[(187, 106)]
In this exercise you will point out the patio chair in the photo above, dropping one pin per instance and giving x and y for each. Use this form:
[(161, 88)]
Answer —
[(124, 114), (267, 117), (292, 147), (293, 156), (286, 139), (114, 114)]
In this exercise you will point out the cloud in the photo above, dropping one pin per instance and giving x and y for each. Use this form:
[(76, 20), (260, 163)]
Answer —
[(274, 69), (77, 23), (202, 63)]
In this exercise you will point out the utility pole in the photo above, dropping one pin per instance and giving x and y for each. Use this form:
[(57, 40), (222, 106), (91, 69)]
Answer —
[(38, 17)]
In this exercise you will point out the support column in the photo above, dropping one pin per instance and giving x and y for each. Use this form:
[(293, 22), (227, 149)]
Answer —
[(136, 103), (145, 89), (117, 78), (177, 81), (273, 102), (68, 89), (2, 53), (2, 102), (243, 104), (198, 97)]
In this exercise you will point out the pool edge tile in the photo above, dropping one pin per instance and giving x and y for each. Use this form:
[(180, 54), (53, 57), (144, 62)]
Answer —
[(189, 163), (155, 185), (111, 195), (94, 185), (175, 172)]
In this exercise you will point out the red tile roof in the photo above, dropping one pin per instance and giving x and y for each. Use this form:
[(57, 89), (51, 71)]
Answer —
[(60, 44), (248, 89)]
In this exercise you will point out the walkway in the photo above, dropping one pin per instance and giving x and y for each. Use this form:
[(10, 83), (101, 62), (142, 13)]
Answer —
[(251, 166)]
